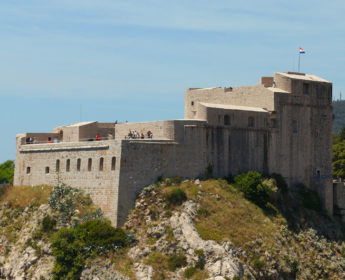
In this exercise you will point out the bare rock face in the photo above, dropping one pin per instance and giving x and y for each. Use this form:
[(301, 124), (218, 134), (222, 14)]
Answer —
[(143, 272), (176, 234), (220, 260), (23, 261), (99, 271)]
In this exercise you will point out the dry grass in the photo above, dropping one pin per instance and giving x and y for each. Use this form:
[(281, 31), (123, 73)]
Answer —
[(158, 261), (123, 263), (200, 275), (25, 196), (231, 217)]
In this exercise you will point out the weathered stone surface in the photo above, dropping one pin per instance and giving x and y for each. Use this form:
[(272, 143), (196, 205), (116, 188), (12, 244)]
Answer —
[(219, 259), (285, 129)]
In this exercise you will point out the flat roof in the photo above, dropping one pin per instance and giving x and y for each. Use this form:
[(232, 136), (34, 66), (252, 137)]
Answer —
[(302, 76), (79, 124), (234, 107)]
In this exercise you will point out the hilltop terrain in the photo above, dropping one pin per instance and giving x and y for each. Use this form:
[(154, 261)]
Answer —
[(252, 228)]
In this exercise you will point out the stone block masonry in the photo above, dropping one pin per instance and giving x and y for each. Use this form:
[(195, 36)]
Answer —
[(281, 125)]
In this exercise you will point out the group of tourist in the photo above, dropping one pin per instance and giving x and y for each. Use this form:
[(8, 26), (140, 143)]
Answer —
[(133, 134), (33, 140)]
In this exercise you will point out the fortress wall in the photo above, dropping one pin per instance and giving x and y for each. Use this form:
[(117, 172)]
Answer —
[(180, 126), (141, 164), (229, 150), (237, 118), (318, 94), (303, 147), (159, 129), (101, 185), (234, 150), (251, 96)]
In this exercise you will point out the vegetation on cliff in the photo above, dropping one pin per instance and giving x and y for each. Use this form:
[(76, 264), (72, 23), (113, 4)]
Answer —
[(250, 227), (338, 159), (285, 234), (58, 226), (7, 172)]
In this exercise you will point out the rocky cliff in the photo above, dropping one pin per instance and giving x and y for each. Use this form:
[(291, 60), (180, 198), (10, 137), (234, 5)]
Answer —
[(184, 230)]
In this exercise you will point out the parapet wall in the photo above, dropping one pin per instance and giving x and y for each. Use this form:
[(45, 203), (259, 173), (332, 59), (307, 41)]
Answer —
[(251, 96), (159, 129)]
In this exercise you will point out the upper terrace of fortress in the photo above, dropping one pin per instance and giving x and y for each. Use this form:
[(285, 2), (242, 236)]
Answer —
[(214, 106)]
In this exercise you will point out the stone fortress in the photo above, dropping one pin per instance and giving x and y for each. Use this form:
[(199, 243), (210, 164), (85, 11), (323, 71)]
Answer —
[(282, 125)]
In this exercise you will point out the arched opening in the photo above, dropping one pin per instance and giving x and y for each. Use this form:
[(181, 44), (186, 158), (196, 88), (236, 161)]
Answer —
[(89, 164), (57, 165), (113, 163), (101, 161), (68, 165), (78, 164)]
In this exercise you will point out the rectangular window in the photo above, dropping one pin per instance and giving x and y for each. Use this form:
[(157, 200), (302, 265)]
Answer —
[(47, 169), (28, 170), (305, 88), (226, 120), (250, 122)]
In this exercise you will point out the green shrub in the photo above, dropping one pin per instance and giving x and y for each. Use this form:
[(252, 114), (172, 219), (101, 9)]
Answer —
[(310, 198), (160, 178), (251, 185), (270, 209), (68, 252), (200, 264), (202, 212), (258, 263), (71, 247), (176, 180), (189, 272), (48, 224), (37, 234), (99, 235), (7, 172), (176, 196), (209, 171), (281, 184), (176, 261)]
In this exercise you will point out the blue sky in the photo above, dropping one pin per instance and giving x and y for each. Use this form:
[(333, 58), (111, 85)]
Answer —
[(132, 60)]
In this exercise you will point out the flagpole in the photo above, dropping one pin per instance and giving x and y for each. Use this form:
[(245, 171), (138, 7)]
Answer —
[(299, 60)]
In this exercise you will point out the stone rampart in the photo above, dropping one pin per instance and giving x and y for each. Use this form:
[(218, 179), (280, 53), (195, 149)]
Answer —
[(91, 166)]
